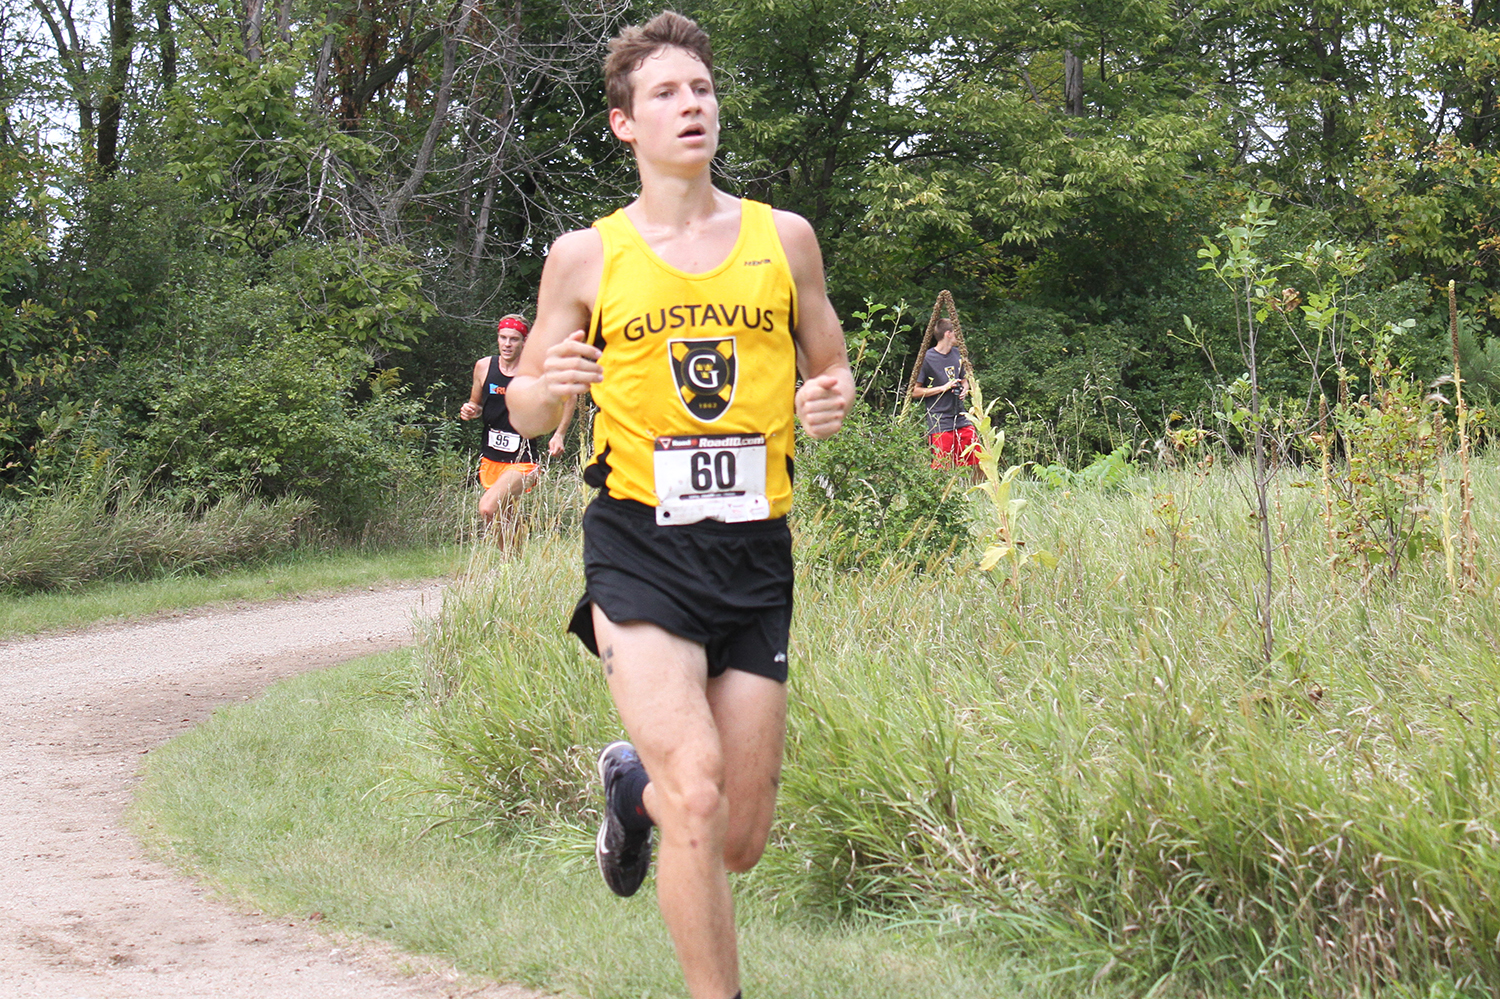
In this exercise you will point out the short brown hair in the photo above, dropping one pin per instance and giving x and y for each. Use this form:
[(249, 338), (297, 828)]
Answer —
[(942, 326), (639, 42)]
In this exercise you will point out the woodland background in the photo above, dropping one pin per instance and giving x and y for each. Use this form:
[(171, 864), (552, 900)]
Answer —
[(1219, 723), (248, 252)]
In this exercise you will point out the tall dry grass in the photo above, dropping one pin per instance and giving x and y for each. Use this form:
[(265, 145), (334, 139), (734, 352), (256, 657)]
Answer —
[(105, 525), (63, 540), (1092, 762)]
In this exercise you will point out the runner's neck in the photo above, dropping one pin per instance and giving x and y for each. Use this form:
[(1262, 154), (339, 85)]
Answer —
[(693, 237), (674, 202)]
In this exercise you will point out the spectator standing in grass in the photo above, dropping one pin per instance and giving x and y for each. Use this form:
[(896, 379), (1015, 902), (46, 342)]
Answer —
[(942, 387), (687, 314), (507, 461)]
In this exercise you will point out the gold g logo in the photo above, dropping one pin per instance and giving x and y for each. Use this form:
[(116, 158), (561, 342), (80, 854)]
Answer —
[(704, 371)]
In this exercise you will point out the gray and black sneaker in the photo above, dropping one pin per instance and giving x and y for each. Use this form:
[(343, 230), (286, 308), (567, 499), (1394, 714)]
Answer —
[(624, 857)]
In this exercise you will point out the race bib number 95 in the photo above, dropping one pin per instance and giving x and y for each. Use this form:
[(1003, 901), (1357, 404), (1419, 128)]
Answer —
[(711, 478), (501, 440)]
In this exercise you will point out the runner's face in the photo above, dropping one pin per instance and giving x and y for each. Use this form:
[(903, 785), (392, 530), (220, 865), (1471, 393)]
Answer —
[(675, 117), (510, 342)]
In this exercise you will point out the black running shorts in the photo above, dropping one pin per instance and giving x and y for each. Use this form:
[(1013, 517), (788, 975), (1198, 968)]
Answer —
[(727, 587)]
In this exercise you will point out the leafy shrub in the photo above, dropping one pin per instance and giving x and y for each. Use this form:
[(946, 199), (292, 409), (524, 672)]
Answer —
[(281, 419), (1059, 383), (41, 344), (870, 493), (1381, 495), (873, 353), (270, 419), (1106, 471), (1479, 360)]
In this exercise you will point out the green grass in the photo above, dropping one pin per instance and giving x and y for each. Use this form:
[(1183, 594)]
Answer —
[(300, 572), (302, 802), (1069, 781), (1090, 764)]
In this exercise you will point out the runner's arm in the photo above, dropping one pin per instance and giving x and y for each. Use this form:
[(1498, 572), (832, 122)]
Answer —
[(475, 405), (559, 441), (827, 389), (556, 363)]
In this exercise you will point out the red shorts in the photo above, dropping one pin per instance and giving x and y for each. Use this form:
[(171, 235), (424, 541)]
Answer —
[(953, 448), (490, 471)]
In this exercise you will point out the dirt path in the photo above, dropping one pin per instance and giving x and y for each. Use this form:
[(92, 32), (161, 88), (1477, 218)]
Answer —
[(82, 913)]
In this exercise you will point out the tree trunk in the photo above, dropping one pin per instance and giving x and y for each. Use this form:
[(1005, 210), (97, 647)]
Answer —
[(482, 225), (471, 134), (121, 49), (403, 195), (166, 40), (325, 61), (250, 29), (1072, 83), (70, 56)]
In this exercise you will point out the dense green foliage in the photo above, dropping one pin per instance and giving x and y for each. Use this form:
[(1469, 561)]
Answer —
[(233, 215)]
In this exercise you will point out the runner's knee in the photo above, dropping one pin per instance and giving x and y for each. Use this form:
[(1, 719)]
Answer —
[(702, 801), (489, 504), (694, 797), (742, 852)]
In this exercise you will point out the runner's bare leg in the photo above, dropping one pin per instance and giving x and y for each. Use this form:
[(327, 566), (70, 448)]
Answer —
[(499, 501), (674, 715), (750, 714)]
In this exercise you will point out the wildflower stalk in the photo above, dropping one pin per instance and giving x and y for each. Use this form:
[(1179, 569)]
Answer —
[(1325, 446), (1469, 541)]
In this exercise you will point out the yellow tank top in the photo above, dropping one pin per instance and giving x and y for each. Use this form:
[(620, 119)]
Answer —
[(697, 368)]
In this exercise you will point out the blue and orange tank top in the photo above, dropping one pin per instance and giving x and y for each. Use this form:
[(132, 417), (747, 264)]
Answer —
[(501, 442)]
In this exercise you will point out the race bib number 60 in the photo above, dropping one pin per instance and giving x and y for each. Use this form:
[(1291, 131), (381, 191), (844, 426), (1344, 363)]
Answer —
[(718, 477)]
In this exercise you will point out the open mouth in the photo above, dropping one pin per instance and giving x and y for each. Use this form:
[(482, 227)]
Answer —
[(691, 131)]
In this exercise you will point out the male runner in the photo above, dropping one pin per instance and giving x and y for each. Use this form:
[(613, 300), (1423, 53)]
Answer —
[(687, 314), (506, 462)]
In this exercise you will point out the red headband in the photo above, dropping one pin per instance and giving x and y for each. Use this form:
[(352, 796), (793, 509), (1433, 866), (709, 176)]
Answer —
[(512, 323)]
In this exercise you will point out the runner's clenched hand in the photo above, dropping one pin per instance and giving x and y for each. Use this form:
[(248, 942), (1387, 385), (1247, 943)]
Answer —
[(571, 366), (822, 402)]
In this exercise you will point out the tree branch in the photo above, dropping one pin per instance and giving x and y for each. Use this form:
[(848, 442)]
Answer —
[(404, 194), (404, 57)]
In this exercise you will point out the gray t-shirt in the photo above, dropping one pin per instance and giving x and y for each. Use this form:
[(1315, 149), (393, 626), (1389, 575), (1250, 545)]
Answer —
[(945, 411)]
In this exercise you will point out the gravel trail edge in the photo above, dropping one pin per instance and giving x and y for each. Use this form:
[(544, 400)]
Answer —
[(83, 912)]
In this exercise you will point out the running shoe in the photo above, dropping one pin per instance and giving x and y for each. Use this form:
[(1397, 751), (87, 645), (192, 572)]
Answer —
[(623, 856)]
